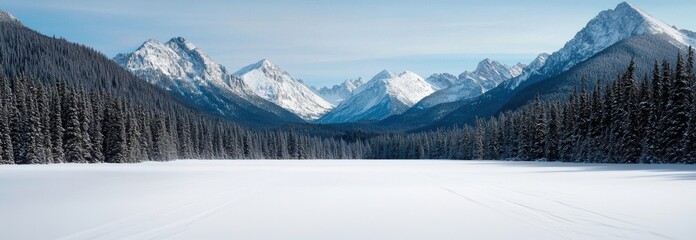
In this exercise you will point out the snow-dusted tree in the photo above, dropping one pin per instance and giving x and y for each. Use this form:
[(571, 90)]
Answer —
[(115, 149), (6, 104), (538, 131), (677, 116)]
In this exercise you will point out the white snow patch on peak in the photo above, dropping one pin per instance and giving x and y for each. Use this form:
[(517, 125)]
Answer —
[(336, 94), (442, 80), (272, 83), (183, 43), (606, 29), (384, 74), (178, 65), (490, 73), (7, 17), (384, 95)]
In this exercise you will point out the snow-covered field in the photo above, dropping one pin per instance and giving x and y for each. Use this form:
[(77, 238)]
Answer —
[(347, 200)]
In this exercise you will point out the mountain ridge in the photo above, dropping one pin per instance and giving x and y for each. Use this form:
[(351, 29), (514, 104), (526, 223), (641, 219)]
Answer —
[(270, 82), (181, 68)]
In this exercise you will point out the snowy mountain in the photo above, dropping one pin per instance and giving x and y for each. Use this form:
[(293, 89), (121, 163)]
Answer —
[(336, 94), (488, 74), (608, 28), (442, 80), (7, 17), (184, 70), (384, 95), (275, 85), (592, 52), (177, 65), (527, 72)]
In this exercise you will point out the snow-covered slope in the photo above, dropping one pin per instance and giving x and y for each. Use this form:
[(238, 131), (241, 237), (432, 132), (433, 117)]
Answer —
[(384, 95), (608, 28), (336, 94), (442, 80), (273, 84), (7, 17), (184, 70), (488, 74), (527, 71), (177, 65)]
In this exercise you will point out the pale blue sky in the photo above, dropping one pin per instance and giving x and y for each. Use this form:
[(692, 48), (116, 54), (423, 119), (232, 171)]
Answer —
[(325, 42)]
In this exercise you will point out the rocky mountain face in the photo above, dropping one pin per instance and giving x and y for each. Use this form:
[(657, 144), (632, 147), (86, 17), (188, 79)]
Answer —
[(384, 95), (270, 82), (336, 94), (184, 70)]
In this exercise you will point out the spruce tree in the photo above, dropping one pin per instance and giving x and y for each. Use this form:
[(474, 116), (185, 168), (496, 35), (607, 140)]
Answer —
[(73, 135), (538, 144), (6, 149), (115, 149), (56, 128), (677, 117)]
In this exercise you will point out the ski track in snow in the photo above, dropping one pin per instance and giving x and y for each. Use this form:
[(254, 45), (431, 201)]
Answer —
[(347, 199), (152, 225)]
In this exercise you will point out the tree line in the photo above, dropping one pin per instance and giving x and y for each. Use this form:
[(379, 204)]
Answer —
[(623, 121), (57, 123)]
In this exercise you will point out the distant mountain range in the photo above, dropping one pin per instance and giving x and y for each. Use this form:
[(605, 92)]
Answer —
[(336, 94), (262, 94), (600, 50), (384, 95), (273, 84), (397, 102), (185, 71)]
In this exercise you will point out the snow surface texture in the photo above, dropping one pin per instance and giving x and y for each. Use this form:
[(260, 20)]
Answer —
[(608, 28), (273, 84), (347, 200), (384, 95), (336, 94), (488, 74)]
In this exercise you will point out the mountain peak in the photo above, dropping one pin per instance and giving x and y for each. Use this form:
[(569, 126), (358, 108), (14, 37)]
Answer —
[(487, 65), (407, 72), (606, 29), (265, 63), (151, 43), (625, 5), (384, 74), (270, 82), (182, 43), (7, 17)]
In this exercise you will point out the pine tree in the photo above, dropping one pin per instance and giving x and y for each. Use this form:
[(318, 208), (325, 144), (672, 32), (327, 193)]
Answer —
[(18, 121), (677, 116), (72, 142), (479, 147), (538, 144), (552, 136), (690, 135), (45, 124), (115, 149), (56, 128), (6, 146)]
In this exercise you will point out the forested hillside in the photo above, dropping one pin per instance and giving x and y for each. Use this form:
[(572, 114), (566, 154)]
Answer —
[(624, 121), (47, 59), (628, 120)]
